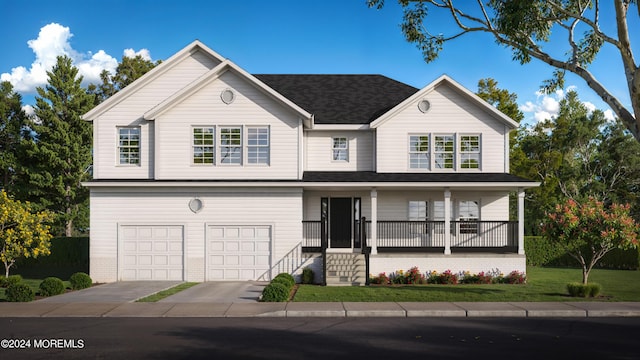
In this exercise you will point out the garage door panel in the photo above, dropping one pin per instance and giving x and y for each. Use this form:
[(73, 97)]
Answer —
[(151, 252), (238, 252)]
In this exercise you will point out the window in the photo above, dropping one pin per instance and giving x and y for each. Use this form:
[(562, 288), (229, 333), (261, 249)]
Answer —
[(129, 145), (469, 214), (419, 151), (203, 145), (417, 210), (444, 151), (470, 151), (340, 147), (258, 145), (231, 145)]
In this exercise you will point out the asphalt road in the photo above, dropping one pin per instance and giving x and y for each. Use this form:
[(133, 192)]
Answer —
[(319, 338)]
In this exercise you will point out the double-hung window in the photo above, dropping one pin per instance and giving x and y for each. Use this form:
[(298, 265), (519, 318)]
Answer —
[(419, 151), (469, 215), (444, 151), (417, 210), (129, 145), (231, 145), (340, 149), (258, 145), (470, 151), (203, 145)]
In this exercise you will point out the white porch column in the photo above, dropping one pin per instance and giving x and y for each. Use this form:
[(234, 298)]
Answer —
[(374, 221), (521, 221), (447, 221)]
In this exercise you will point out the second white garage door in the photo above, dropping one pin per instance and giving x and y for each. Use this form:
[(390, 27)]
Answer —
[(238, 252)]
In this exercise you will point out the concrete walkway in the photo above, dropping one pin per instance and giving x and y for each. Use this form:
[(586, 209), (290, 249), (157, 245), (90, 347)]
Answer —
[(116, 292), (330, 309)]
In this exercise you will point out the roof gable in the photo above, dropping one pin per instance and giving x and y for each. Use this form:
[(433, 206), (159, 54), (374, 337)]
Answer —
[(150, 76), (340, 99), (444, 79)]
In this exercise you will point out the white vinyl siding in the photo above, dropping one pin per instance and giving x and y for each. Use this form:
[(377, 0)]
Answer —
[(251, 109), (128, 113), (450, 113), (157, 207), (318, 149)]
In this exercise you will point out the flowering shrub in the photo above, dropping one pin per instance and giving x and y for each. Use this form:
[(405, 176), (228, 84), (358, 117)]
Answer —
[(515, 277), (381, 279), (446, 277), (413, 276)]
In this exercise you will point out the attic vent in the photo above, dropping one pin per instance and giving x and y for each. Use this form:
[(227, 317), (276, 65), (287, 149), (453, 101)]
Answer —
[(424, 106), (227, 96)]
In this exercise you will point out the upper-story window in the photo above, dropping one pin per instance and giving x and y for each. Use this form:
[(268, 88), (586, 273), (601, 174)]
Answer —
[(444, 151), (258, 145), (231, 145), (419, 151), (129, 145), (340, 149), (204, 145), (470, 151)]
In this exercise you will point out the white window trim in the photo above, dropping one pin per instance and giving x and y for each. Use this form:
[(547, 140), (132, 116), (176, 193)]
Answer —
[(120, 164), (220, 146), (247, 146), (453, 157), (479, 152), (346, 149), (428, 152), (426, 210), (193, 146)]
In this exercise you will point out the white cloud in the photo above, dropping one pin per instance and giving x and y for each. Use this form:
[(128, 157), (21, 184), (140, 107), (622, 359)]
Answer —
[(53, 41), (610, 115), (29, 110)]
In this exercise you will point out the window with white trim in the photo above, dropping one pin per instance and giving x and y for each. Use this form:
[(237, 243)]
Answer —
[(470, 151), (129, 145), (340, 148), (231, 145), (203, 145), (419, 151), (418, 210), (468, 215), (444, 151), (258, 145)]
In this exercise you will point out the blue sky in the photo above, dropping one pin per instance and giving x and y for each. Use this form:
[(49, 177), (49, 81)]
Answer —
[(277, 36)]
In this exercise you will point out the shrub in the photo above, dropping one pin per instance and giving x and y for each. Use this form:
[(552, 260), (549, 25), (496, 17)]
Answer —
[(51, 286), (80, 281), (19, 292), (446, 277), (288, 277), (307, 275), (381, 279), (281, 280), (515, 277), (576, 289), (11, 280), (275, 292)]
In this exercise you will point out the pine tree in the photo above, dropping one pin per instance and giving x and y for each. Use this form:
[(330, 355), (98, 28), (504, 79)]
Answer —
[(60, 155), (12, 125)]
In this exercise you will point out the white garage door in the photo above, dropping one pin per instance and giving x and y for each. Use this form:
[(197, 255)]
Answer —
[(151, 252), (238, 252)]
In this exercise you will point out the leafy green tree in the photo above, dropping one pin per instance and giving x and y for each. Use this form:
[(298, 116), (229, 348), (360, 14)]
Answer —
[(59, 157), (23, 231), (12, 126), (129, 69), (565, 34), (588, 230)]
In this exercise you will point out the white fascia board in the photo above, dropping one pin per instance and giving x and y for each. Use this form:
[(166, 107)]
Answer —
[(148, 77), (458, 87), (338, 127)]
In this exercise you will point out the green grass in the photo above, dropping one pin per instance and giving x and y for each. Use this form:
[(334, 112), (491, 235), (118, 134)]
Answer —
[(34, 284), (165, 293), (543, 284)]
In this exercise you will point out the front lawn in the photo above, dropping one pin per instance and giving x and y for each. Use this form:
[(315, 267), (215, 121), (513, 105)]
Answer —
[(543, 284), (34, 284)]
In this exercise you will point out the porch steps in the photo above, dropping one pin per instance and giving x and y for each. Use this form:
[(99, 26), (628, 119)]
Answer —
[(346, 269)]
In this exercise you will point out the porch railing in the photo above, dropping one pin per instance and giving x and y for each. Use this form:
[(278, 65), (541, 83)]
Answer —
[(413, 235)]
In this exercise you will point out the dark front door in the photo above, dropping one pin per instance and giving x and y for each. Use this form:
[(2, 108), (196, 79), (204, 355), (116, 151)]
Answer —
[(340, 222)]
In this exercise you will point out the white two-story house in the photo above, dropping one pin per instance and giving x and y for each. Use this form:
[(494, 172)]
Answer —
[(204, 172)]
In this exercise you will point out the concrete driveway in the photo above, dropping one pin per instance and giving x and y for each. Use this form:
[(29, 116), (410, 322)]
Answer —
[(219, 292), (117, 292)]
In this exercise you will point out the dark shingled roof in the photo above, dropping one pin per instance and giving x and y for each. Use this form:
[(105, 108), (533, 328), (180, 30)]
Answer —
[(341, 99), (372, 176)]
